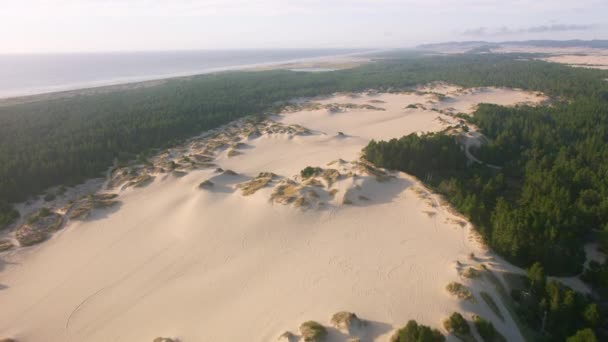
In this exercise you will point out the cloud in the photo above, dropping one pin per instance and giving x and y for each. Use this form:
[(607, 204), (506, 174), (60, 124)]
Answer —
[(504, 30)]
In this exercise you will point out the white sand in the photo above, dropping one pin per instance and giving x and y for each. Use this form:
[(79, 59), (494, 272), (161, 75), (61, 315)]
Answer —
[(212, 265)]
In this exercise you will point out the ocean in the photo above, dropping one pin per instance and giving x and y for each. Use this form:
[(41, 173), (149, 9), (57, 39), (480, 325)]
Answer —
[(29, 74)]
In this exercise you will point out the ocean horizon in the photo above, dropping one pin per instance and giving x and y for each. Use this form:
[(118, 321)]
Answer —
[(32, 74)]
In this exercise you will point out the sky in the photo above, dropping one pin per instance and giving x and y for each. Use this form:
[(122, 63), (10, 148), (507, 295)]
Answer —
[(48, 26)]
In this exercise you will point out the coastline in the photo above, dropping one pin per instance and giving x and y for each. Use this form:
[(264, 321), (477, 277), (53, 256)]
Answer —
[(339, 62)]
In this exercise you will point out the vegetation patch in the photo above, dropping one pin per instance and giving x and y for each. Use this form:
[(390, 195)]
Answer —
[(81, 209), (460, 291), (252, 186), (38, 227), (457, 325), (5, 244), (414, 332), (471, 272), (310, 171), (347, 322), (312, 331)]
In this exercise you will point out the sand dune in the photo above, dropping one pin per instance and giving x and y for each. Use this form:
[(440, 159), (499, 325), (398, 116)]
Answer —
[(212, 264)]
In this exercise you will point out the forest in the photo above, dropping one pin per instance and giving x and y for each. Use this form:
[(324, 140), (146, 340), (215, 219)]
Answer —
[(550, 196)]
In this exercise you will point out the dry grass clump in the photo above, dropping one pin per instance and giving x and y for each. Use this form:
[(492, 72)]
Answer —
[(38, 226), (347, 201), (5, 244), (471, 272), (286, 192), (233, 153), (252, 186), (301, 202), (82, 208), (330, 176), (313, 182), (363, 198), (347, 322), (312, 331), (460, 291), (139, 181), (368, 168)]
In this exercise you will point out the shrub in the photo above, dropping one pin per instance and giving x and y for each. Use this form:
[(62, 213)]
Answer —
[(310, 171), (457, 325), (414, 332), (312, 331), (585, 335), (459, 290)]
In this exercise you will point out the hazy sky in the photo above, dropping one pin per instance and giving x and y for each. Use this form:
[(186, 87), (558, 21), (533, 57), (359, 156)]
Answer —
[(127, 25)]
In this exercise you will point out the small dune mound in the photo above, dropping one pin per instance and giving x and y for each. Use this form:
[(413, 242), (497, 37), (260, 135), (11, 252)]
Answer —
[(178, 174), (337, 161), (229, 173), (139, 181), (460, 291), (81, 209), (5, 244), (7, 340), (206, 185), (312, 331), (286, 192), (347, 322), (288, 336), (313, 182), (38, 226), (164, 339), (252, 186), (365, 167), (219, 170), (330, 176), (233, 153)]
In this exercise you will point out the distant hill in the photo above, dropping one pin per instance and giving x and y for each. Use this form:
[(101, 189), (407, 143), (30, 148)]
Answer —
[(480, 46)]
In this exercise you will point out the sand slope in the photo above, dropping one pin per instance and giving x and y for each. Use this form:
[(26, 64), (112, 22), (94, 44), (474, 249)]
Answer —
[(214, 265)]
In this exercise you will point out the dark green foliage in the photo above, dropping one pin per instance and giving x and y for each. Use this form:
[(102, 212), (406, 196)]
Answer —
[(310, 171), (414, 332), (585, 335), (564, 310), (457, 325), (537, 278), (7, 213)]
